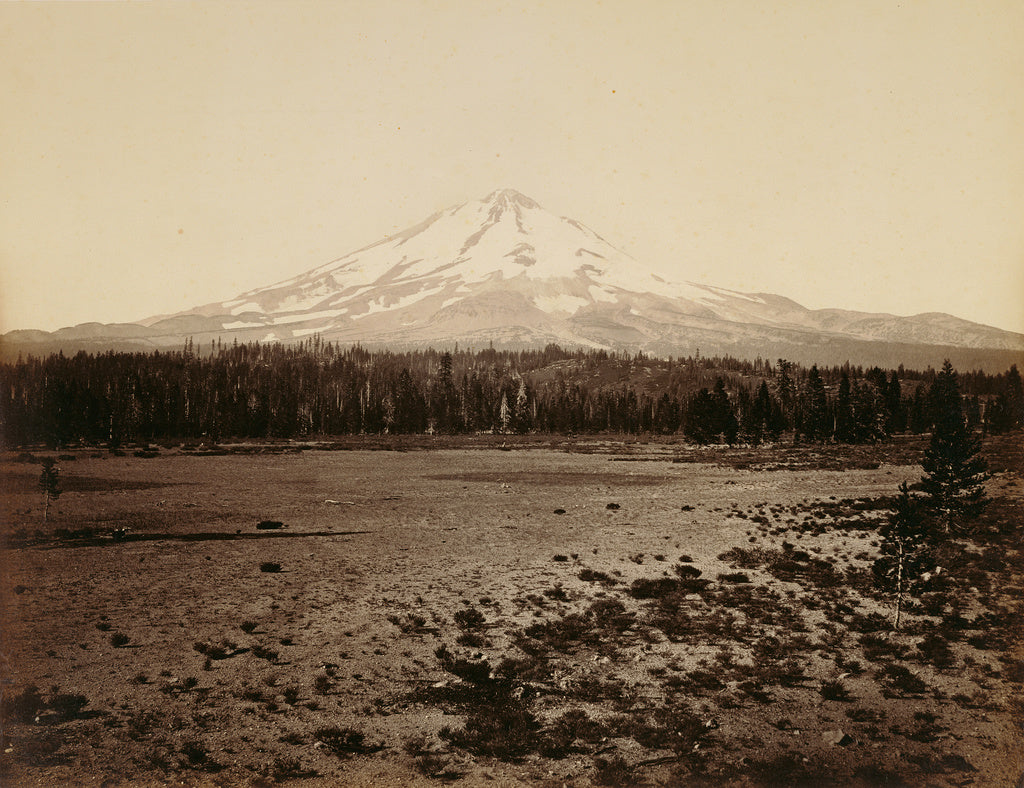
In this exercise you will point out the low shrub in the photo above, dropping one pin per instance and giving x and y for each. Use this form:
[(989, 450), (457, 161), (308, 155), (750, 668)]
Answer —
[(410, 622), (708, 680), (284, 769), (574, 725), (344, 742), (24, 706), (195, 753), (614, 771), (263, 652), (506, 730), (557, 593), (470, 618), (213, 651), (935, 649), (900, 678), (323, 684), (877, 647), (593, 576), (834, 690), (67, 705), (653, 588), (471, 640)]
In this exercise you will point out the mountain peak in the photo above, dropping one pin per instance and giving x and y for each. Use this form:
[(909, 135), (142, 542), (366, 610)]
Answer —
[(510, 197)]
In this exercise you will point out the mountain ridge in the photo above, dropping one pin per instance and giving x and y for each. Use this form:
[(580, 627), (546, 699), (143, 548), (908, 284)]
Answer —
[(505, 271)]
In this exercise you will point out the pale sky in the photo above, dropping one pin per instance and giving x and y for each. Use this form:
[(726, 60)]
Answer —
[(856, 154)]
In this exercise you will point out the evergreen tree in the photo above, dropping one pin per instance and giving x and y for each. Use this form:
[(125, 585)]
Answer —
[(905, 554), (897, 414), (751, 427), (700, 416), (917, 419), (723, 422), (844, 410), (1006, 411), (49, 483), (504, 413), (1014, 392), (815, 421), (786, 389), (869, 414), (444, 405), (775, 417), (521, 419), (955, 474), (666, 415)]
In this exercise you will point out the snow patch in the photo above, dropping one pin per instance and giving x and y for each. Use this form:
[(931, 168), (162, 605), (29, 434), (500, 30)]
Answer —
[(284, 319), (377, 304), (241, 324), (345, 296), (304, 299), (734, 294), (245, 306)]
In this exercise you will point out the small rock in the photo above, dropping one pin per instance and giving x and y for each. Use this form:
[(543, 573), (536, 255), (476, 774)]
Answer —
[(837, 738), (612, 506), (559, 511)]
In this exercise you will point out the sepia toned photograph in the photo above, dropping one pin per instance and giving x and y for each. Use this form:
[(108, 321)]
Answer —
[(563, 394)]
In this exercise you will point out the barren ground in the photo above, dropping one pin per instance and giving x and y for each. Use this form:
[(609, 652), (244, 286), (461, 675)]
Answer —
[(472, 615)]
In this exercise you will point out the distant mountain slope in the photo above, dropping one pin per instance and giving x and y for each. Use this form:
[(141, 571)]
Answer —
[(504, 271)]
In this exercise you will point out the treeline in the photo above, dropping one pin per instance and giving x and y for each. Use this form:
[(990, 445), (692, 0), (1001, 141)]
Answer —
[(254, 391)]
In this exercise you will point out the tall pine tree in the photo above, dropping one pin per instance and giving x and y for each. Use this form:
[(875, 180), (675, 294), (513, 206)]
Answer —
[(955, 474), (816, 423)]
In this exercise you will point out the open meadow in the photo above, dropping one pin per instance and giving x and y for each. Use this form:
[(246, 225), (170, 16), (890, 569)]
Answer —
[(529, 612)]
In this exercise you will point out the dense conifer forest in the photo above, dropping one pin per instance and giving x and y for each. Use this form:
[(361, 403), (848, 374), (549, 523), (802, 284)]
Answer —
[(254, 391)]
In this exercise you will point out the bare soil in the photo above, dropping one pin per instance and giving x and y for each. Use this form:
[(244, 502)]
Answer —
[(516, 614)]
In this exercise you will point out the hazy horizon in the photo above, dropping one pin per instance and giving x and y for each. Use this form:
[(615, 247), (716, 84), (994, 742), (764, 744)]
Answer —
[(164, 155)]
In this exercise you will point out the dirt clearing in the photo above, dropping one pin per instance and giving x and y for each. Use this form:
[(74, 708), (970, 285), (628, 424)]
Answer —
[(534, 616)]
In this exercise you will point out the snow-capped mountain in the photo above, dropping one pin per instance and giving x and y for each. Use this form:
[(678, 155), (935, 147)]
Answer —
[(503, 270), (501, 267)]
